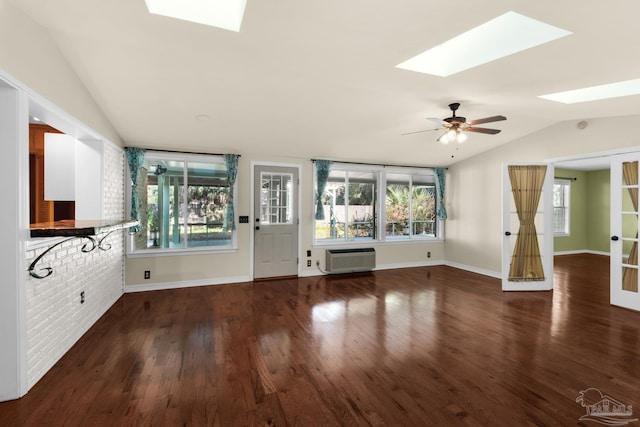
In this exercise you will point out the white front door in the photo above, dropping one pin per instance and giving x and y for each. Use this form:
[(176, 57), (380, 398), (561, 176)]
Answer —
[(624, 231), (275, 221), (527, 240)]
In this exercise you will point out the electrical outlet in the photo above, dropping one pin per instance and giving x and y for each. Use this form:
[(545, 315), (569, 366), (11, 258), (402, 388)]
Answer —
[(308, 263), (82, 297), (147, 274), (308, 253), (428, 254)]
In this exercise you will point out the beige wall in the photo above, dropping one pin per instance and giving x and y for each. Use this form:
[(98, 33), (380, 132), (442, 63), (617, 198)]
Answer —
[(474, 227), (28, 54), (186, 270)]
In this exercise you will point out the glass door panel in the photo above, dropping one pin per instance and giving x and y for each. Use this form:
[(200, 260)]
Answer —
[(624, 231)]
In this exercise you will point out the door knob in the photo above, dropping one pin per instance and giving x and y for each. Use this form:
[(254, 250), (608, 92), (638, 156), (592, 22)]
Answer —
[(507, 233), (614, 238)]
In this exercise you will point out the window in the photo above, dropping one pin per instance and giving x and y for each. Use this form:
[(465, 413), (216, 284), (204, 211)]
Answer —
[(275, 198), (349, 203), (183, 201), (377, 205), (410, 206), (561, 199)]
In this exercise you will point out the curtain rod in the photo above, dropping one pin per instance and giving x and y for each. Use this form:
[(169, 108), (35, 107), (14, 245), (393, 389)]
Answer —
[(381, 164), (566, 177), (183, 152)]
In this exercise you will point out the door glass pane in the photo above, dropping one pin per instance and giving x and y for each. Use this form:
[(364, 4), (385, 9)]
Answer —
[(630, 226), (630, 279), (630, 173), (629, 199), (276, 198)]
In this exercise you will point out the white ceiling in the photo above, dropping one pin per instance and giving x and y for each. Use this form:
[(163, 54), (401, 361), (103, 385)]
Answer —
[(317, 79)]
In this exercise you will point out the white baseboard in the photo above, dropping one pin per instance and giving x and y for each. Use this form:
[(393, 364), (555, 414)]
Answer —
[(185, 284), (409, 265), (306, 273), (583, 251), (311, 273), (484, 272)]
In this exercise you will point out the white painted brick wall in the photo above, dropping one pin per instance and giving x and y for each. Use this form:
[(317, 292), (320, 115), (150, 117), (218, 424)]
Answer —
[(55, 317)]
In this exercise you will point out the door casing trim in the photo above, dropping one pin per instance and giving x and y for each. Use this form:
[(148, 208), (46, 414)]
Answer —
[(253, 164)]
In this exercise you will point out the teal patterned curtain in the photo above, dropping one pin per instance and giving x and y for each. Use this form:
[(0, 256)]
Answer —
[(323, 167), (441, 212), (135, 159), (231, 162)]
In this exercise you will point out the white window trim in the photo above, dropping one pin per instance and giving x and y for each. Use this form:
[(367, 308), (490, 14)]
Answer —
[(567, 233), (147, 253)]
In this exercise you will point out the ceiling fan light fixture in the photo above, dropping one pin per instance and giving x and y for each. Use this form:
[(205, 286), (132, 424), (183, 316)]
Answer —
[(461, 137), (444, 139)]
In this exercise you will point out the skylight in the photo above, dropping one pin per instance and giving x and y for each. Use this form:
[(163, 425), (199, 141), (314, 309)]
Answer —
[(226, 14), (594, 93), (502, 36)]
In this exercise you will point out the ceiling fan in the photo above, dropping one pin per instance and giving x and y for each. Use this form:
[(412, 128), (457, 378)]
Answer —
[(455, 126)]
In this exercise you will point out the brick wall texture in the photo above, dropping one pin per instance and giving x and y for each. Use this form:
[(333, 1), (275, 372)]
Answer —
[(55, 317)]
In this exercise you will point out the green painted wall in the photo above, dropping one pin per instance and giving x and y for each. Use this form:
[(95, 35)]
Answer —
[(598, 211), (589, 210), (577, 238)]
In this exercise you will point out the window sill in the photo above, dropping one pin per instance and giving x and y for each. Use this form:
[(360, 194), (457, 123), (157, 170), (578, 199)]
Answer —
[(561, 235), (367, 243), (179, 252)]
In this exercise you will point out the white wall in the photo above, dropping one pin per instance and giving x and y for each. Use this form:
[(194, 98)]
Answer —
[(32, 64), (28, 53), (13, 108), (474, 227)]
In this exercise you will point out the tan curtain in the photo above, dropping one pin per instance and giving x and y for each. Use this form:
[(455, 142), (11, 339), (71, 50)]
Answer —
[(630, 275), (526, 185)]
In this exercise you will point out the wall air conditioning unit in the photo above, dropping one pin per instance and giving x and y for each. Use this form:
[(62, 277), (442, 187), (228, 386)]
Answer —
[(350, 260)]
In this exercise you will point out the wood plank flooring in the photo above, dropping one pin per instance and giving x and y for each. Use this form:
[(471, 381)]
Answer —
[(432, 346)]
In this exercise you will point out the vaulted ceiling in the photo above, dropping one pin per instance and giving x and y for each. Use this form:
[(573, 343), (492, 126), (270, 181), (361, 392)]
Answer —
[(309, 78)]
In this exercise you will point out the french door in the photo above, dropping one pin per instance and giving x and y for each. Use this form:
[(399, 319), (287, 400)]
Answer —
[(527, 241), (624, 231)]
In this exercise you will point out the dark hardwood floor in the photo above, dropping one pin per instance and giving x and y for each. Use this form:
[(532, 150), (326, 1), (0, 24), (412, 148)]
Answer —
[(410, 347)]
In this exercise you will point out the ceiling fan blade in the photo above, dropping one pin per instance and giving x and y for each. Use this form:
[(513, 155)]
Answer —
[(436, 120), (482, 130), (420, 131), (487, 120)]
